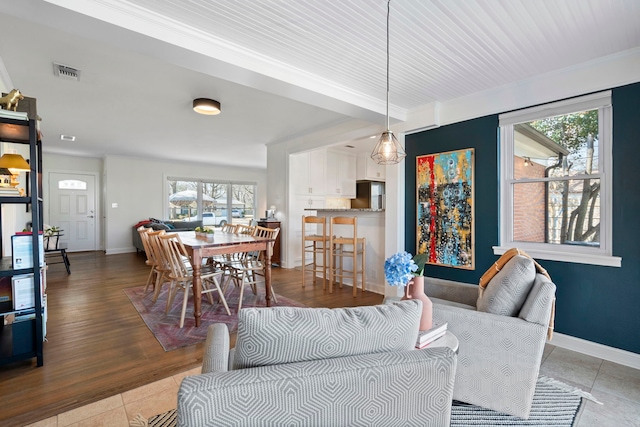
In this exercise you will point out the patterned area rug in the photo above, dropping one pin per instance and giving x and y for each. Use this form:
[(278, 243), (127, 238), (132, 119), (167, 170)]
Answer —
[(165, 327), (555, 404)]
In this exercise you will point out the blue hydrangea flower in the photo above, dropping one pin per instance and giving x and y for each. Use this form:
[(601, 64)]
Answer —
[(399, 268)]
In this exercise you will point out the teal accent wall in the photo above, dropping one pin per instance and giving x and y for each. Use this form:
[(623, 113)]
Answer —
[(595, 303)]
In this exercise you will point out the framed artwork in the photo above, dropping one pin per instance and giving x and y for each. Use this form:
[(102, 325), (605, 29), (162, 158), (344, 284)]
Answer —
[(445, 224)]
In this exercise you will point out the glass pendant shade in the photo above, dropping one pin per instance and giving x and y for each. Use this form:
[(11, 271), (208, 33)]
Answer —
[(388, 150)]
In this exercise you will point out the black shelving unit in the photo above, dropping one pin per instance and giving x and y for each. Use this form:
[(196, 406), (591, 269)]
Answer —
[(24, 338)]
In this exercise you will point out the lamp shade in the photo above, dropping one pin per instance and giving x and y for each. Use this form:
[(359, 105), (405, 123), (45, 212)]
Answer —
[(206, 106), (14, 161), (388, 150)]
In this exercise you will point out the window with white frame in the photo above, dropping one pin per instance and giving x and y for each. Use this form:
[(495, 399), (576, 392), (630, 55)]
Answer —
[(215, 203), (555, 193)]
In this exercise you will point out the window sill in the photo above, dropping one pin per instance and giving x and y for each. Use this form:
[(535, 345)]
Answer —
[(575, 257)]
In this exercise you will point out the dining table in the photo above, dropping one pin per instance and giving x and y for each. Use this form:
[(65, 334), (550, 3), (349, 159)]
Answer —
[(222, 243)]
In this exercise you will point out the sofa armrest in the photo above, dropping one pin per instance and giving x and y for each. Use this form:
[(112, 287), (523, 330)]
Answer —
[(216, 349), (499, 358), (352, 390), (463, 293)]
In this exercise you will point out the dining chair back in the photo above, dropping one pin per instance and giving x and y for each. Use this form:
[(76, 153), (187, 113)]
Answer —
[(162, 265), (228, 228), (151, 262), (249, 265)]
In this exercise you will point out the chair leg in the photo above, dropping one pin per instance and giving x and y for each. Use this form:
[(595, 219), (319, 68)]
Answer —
[(241, 292), (158, 286), (355, 270), (221, 297), (65, 258), (364, 261), (150, 279), (173, 290), (184, 304)]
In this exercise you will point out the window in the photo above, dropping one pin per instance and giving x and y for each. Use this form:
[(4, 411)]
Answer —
[(72, 184), (555, 195), (215, 203)]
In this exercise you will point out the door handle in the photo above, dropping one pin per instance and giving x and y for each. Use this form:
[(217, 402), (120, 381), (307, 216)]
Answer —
[(89, 216)]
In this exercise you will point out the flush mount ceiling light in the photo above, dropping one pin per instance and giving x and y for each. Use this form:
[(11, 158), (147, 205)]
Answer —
[(67, 138), (206, 106), (388, 150)]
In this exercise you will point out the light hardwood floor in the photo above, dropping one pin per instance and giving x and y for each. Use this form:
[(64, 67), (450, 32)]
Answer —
[(97, 344)]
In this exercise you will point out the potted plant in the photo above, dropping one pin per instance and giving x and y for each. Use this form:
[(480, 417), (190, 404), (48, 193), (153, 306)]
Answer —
[(209, 232), (401, 269)]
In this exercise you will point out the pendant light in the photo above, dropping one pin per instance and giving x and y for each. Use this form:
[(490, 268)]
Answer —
[(388, 150)]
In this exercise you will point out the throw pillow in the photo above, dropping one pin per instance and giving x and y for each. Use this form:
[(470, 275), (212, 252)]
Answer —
[(169, 226), (506, 292), (272, 336), (159, 226), (537, 307)]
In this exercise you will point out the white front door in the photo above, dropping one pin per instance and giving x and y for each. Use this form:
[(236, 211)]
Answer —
[(72, 207)]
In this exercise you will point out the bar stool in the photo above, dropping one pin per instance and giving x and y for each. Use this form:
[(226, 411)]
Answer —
[(341, 248), (315, 244)]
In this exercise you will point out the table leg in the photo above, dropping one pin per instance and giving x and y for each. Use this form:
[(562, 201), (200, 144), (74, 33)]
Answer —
[(267, 274), (197, 286)]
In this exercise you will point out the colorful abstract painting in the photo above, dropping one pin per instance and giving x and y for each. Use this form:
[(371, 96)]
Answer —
[(445, 208)]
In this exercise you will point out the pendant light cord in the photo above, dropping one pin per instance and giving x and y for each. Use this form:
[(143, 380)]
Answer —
[(388, 13)]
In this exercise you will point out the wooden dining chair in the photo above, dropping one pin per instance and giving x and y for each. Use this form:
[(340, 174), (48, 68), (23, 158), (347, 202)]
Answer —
[(151, 262), (181, 275), (162, 265), (228, 228), (249, 265)]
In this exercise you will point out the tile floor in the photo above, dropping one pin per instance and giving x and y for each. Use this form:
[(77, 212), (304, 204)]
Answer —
[(616, 386)]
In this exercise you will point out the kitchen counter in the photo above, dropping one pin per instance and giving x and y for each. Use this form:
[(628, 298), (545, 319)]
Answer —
[(371, 226)]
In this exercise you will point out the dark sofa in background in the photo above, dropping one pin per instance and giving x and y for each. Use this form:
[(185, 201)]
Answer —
[(162, 225)]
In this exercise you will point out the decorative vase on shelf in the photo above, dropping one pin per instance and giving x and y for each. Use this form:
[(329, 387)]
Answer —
[(415, 290)]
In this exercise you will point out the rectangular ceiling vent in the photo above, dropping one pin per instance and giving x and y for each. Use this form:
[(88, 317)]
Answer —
[(66, 72)]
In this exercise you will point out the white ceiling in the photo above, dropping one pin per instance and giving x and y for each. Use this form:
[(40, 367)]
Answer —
[(280, 69)]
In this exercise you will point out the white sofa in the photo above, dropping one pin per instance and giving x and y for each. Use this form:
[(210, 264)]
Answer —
[(321, 367)]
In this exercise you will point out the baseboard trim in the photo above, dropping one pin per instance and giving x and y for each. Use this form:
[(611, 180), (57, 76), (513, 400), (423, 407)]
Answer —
[(590, 348), (119, 251)]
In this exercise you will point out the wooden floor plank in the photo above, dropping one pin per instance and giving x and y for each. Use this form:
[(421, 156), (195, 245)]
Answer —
[(97, 344)]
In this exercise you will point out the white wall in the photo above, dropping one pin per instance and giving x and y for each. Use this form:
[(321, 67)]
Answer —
[(138, 187)]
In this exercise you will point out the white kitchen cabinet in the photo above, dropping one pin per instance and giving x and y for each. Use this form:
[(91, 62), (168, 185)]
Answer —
[(368, 169), (307, 173), (341, 174)]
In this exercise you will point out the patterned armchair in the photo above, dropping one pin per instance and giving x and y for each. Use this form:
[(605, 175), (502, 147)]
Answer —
[(310, 366), (502, 334)]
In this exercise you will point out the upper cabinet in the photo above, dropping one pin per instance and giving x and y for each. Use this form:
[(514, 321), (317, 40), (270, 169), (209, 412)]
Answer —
[(307, 173), (368, 169), (323, 172), (341, 174)]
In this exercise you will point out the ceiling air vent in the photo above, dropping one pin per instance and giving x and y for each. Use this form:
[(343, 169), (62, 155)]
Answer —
[(66, 72)]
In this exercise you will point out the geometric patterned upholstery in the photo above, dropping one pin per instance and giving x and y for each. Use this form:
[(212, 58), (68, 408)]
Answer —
[(402, 388), (508, 289), (535, 308), (499, 356), (273, 336)]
